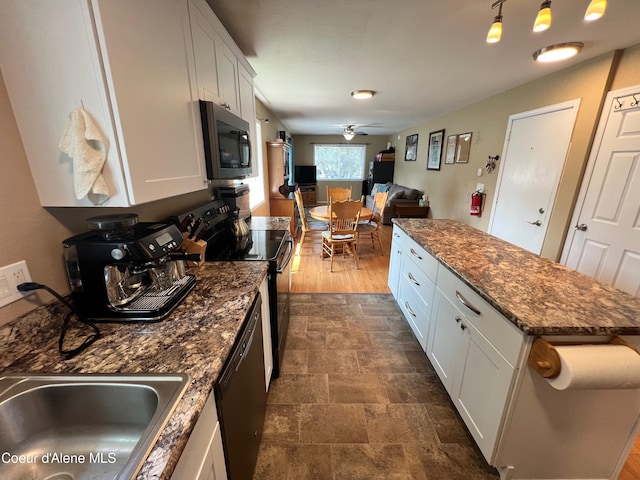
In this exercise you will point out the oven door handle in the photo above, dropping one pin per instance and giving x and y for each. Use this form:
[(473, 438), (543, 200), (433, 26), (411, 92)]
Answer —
[(280, 268)]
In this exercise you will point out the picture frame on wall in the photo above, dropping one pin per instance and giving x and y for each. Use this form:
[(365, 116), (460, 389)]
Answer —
[(452, 143), (436, 139), (411, 148), (463, 148)]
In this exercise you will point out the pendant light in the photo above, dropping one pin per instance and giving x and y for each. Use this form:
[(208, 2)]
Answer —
[(595, 10), (543, 20), (495, 32)]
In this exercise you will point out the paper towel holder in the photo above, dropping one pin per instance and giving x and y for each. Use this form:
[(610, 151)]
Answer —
[(544, 358)]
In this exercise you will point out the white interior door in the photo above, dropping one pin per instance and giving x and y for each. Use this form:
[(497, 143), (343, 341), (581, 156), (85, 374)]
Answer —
[(532, 161), (604, 241)]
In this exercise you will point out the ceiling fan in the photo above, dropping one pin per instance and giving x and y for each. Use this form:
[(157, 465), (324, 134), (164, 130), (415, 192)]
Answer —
[(349, 132)]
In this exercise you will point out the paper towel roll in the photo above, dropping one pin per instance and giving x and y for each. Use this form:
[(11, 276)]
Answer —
[(602, 367)]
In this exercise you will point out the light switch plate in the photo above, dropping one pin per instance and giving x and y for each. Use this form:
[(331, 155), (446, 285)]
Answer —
[(10, 277)]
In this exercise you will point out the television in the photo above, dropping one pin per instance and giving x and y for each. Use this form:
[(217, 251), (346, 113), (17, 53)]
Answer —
[(305, 174)]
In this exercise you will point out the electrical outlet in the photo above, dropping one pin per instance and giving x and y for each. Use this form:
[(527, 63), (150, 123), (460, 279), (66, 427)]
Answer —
[(5, 289), (10, 277)]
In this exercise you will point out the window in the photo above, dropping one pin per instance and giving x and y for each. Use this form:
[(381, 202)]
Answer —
[(256, 182), (339, 162)]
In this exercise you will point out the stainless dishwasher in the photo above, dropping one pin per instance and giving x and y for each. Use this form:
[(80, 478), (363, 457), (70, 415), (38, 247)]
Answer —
[(242, 398)]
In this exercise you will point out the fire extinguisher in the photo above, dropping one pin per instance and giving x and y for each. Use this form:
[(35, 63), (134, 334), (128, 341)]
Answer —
[(476, 203)]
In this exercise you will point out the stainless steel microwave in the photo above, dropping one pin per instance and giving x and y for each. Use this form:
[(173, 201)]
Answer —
[(227, 147)]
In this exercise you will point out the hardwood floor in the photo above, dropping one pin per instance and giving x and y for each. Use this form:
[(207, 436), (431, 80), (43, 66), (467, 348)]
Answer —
[(310, 274)]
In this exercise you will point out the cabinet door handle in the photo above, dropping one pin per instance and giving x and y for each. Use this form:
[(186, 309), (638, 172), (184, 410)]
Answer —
[(406, 304), (466, 303), (412, 278), (458, 319), (415, 254), (463, 327)]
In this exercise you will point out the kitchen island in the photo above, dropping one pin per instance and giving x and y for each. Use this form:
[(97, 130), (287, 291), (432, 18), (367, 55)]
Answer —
[(478, 306), (195, 339)]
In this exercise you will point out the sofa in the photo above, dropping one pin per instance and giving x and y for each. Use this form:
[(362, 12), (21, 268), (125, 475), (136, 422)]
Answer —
[(398, 195)]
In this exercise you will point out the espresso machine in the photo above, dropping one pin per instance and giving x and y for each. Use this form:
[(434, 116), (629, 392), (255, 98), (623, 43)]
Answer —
[(126, 271)]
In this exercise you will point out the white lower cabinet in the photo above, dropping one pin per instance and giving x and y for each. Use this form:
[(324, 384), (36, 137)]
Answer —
[(473, 349), (415, 297), (412, 275), (203, 456), (473, 369), (447, 340), (395, 261)]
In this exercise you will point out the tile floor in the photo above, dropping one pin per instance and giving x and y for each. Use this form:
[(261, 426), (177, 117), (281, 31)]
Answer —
[(358, 399)]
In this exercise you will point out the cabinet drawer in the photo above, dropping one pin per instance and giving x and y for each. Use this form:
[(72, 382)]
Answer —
[(416, 311), (499, 331), (425, 261), (421, 283)]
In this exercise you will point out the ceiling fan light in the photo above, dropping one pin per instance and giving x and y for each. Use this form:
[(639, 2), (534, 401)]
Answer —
[(543, 20), (495, 32), (348, 135), (560, 51), (362, 94), (595, 10)]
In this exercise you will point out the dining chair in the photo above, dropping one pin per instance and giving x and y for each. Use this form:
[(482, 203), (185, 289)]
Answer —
[(372, 226), (307, 229), (338, 194), (343, 230)]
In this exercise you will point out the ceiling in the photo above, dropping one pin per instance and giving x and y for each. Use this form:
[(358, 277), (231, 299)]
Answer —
[(424, 58)]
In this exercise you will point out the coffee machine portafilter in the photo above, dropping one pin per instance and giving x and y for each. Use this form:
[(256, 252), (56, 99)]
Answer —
[(125, 271)]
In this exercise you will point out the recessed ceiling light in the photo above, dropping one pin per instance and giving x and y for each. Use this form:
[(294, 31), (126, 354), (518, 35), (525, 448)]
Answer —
[(362, 94), (560, 51)]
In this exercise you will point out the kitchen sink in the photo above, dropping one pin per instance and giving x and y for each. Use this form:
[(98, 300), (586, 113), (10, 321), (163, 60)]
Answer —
[(76, 427)]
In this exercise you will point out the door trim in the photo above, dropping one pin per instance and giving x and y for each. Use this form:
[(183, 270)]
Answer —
[(573, 105), (591, 164)]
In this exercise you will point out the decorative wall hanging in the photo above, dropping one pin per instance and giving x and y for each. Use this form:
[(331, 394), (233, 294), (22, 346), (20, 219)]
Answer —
[(411, 149), (435, 150), (452, 143), (491, 163), (463, 148)]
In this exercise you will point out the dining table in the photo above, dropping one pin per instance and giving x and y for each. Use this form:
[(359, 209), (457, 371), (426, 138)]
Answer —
[(321, 212)]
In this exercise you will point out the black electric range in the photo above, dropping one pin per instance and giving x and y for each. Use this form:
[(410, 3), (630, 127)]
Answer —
[(273, 246), (259, 245)]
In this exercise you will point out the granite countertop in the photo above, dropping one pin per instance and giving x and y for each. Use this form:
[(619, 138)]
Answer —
[(269, 223), (195, 339), (539, 296)]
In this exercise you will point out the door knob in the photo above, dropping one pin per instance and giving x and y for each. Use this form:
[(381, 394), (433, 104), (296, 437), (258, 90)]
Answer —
[(582, 227), (537, 223)]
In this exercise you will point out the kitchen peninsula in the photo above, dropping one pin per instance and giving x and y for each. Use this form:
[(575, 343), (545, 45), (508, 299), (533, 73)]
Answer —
[(195, 339), (477, 305)]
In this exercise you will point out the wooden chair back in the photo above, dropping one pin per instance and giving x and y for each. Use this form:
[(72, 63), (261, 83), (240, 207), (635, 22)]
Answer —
[(344, 218), (303, 217), (379, 204), (338, 194)]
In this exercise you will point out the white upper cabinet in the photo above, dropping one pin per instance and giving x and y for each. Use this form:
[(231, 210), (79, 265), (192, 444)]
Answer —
[(205, 39), (219, 63), (228, 77), (131, 66), (246, 95)]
